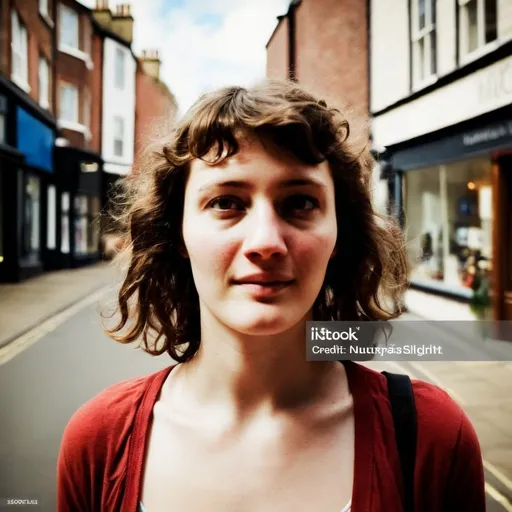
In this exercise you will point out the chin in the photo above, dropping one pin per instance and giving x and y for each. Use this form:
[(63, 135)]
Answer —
[(263, 320)]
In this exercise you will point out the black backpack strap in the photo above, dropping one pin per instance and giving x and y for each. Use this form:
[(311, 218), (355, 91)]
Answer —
[(403, 409)]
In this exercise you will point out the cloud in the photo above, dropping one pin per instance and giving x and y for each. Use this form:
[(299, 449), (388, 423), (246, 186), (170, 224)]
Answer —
[(205, 44)]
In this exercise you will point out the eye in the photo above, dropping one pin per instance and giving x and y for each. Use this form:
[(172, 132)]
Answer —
[(225, 203), (301, 204)]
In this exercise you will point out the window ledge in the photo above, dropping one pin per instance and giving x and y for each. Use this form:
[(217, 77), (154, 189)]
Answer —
[(480, 52), (47, 19), (79, 54), (75, 127), (21, 83), (417, 86), (44, 104)]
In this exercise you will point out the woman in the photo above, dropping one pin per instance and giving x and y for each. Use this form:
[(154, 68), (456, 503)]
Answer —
[(253, 218)]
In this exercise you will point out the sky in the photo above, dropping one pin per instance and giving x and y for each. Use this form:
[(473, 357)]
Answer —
[(204, 44)]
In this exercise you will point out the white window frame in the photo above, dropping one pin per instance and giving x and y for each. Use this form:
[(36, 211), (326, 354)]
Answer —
[(44, 82), (422, 71), (43, 8), (19, 52), (74, 118), (120, 68), (482, 47), (118, 130), (72, 14)]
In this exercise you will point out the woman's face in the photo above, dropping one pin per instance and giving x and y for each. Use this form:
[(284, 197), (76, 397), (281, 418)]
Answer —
[(259, 230)]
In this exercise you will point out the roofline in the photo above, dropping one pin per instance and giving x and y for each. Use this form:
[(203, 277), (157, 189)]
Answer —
[(293, 5)]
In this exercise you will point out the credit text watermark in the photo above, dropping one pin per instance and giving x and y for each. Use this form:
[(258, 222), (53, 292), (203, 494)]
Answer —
[(409, 340)]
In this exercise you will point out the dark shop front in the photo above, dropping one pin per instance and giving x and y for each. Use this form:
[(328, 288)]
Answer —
[(27, 140), (78, 207)]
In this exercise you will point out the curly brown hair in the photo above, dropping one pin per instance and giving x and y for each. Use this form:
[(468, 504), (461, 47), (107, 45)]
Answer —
[(158, 299)]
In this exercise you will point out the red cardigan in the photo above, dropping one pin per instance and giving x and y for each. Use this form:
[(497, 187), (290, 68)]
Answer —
[(100, 463)]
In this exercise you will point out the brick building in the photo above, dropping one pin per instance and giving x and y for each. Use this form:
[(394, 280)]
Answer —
[(156, 106), (323, 44), (78, 162), (68, 80), (27, 134)]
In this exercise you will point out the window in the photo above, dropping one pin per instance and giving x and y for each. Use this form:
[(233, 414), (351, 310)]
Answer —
[(19, 51), (43, 7), (68, 27), (86, 224), (449, 222), (64, 223), (68, 103), (424, 40), (118, 136), (119, 80), (51, 218), (30, 241), (477, 24), (44, 83), (81, 221)]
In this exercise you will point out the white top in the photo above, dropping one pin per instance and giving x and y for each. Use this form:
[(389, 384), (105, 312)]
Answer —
[(346, 508)]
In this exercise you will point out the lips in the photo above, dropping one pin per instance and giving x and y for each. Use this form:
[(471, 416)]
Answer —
[(264, 286), (265, 280)]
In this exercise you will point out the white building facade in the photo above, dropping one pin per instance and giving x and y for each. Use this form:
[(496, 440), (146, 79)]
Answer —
[(118, 117), (441, 106)]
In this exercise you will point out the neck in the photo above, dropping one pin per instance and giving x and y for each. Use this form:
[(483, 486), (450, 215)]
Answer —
[(246, 375)]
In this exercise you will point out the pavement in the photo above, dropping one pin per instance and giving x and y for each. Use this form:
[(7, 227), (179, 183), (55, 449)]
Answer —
[(482, 388), (27, 304)]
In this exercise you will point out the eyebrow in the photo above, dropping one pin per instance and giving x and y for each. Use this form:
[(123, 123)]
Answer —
[(294, 182)]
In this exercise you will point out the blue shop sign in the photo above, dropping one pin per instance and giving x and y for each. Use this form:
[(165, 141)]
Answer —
[(35, 140)]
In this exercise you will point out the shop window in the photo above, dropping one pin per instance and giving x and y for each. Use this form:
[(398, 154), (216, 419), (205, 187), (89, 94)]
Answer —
[(120, 68), (449, 223), (68, 107), (423, 43), (19, 46), (86, 224), (478, 24), (51, 218), (44, 83), (93, 231), (118, 136), (64, 223), (68, 27), (30, 227)]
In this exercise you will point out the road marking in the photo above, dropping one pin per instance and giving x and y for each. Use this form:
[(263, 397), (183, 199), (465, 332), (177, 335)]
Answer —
[(29, 338), (506, 482), (496, 473), (497, 496)]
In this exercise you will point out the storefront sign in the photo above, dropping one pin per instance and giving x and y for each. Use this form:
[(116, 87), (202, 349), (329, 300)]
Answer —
[(493, 133), (481, 92), (35, 140), (488, 138), (495, 84)]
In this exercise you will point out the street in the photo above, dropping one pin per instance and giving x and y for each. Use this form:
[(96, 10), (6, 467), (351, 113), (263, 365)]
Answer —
[(71, 362), (42, 387)]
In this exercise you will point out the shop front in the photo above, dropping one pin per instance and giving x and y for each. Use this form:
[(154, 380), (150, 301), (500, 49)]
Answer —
[(27, 137), (452, 190), (77, 208)]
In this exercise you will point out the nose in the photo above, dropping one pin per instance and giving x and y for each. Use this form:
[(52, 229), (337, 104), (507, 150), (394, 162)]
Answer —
[(264, 234)]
